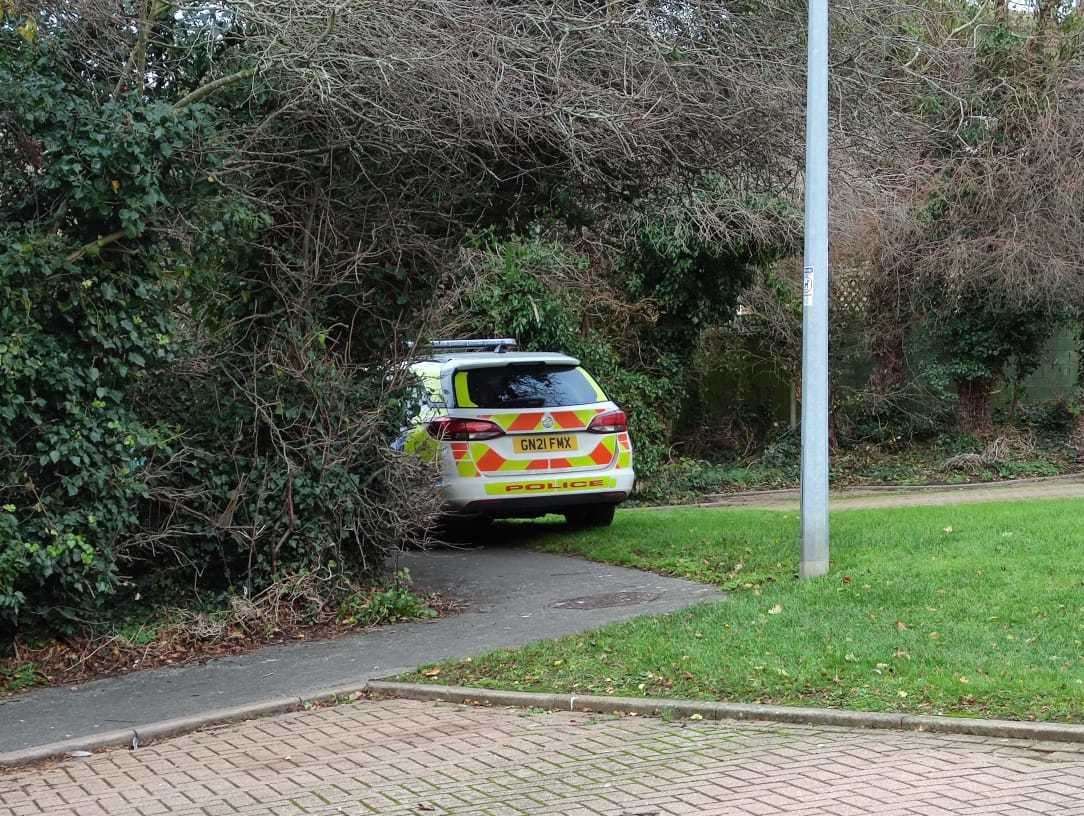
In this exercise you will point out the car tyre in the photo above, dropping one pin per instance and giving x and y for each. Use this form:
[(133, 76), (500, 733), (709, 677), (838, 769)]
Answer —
[(596, 515)]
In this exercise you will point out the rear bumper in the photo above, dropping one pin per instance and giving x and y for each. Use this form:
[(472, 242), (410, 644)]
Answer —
[(530, 506), (522, 495)]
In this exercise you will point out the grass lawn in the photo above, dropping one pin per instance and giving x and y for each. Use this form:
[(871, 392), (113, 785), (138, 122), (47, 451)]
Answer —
[(973, 610)]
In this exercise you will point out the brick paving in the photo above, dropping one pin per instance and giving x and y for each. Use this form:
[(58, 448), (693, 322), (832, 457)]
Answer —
[(430, 759)]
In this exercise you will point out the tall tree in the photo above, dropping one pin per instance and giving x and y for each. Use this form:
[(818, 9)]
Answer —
[(989, 247)]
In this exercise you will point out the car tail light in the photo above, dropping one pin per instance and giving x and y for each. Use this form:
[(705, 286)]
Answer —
[(609, 422), (450, 429)]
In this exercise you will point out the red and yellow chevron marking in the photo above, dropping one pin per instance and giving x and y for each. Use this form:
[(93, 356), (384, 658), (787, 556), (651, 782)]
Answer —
[(487, 460), (532, 420), (464, 465), (624, 458)]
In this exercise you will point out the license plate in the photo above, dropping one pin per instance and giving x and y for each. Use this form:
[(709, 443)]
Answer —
[(550, 443)]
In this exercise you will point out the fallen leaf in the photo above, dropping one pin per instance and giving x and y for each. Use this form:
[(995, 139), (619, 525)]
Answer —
[(431, 672), (28, 30), (900, 625), (935, 635), (115, 185)]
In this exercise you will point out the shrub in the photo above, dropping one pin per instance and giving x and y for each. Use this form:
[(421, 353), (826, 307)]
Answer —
[(181, 408), (784, 452), (1051, 418), (526, 293), (691, 479), (80, 326), (388, 605)]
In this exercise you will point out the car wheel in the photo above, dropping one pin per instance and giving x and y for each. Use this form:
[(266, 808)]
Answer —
[(597, 515)]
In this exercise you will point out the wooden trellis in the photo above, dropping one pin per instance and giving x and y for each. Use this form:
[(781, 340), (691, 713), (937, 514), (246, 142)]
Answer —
[(849, 290)]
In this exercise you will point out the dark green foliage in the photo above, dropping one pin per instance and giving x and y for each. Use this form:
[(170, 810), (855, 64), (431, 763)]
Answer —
[(915, 416), (198, 302), (1053, 418), (743, 370), (389, 605), (689, 480), (20, 678), (990, 245), (80, 326), (637, 322), (978, 340), (695, 282), (694, 256), (174, 414), (523, 297)]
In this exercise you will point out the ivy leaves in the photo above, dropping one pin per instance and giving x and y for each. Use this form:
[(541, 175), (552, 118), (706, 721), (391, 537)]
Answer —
[(87, 311)]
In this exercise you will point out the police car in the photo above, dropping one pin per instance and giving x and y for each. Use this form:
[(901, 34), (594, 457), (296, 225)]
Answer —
[(518, 434)]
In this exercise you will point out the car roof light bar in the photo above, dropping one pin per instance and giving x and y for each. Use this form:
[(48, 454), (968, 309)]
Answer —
[(497, 344)]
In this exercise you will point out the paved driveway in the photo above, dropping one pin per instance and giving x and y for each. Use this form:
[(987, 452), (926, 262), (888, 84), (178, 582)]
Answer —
[(513, 596), (401, 757)]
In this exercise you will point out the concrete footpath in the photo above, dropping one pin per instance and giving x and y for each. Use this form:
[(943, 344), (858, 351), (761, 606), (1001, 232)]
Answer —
[(873, 496), (513, 596)]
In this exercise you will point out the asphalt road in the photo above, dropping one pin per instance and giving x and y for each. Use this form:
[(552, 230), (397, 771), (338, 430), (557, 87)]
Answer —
[(513, 596)]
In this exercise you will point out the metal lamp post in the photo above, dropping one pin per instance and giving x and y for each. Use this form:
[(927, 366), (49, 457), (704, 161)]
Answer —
[(815, 286)]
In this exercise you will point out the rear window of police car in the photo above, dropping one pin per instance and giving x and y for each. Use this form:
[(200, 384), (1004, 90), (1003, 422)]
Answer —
[(529, 386)]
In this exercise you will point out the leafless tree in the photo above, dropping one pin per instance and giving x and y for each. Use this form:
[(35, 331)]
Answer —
[(984, 204)]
